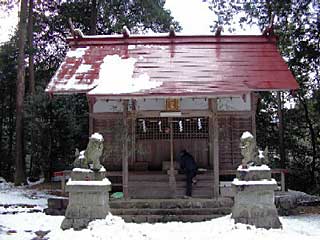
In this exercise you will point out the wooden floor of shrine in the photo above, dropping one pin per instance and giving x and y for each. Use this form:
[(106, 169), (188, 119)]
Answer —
[(155, 184)]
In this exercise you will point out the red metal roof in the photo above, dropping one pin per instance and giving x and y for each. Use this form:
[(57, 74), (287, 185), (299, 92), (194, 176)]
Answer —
[(184, 65)]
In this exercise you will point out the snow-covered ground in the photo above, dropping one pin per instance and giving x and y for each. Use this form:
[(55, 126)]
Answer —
[(26, 222)]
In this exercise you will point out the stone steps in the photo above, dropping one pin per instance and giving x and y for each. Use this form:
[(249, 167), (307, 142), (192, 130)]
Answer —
[(166, 210), (167, 218), (171, 203), (176, 211)]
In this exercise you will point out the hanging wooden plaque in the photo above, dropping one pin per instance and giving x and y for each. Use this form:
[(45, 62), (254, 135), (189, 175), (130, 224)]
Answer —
[(172, 105)]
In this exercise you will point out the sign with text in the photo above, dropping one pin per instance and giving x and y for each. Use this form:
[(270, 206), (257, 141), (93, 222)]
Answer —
[(172, 105)]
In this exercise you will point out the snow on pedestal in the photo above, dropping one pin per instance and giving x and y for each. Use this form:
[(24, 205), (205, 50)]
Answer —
[(88, 198), (254, 197)]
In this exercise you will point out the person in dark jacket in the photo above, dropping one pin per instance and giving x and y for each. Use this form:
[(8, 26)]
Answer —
[(189, 166)]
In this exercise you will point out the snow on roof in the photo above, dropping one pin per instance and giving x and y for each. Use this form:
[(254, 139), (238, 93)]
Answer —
[(162, 66), (116, 77), (72, 74), (77, 53)]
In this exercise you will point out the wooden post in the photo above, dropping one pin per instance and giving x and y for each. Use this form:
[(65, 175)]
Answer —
[(125, 151), (63, 184), (281, 132), (91, 118), (211, 132), (172, 180), (283, 182), (214, 145), (253, 114), (133, 132)]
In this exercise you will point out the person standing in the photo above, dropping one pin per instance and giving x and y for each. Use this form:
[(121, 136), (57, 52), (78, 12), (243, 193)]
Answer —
[(189, 166)]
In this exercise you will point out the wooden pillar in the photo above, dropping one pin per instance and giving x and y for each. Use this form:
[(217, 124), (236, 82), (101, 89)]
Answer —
[(214, 144), (254, 101), (172, 179), (283, 182), (125, 154), (133, 132), (91, 103), (281, 132)]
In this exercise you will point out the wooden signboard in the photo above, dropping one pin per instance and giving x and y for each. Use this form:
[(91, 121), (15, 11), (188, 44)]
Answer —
[(172, 105)]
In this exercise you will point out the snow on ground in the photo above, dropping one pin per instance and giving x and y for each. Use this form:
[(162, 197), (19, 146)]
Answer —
[(23, 225)]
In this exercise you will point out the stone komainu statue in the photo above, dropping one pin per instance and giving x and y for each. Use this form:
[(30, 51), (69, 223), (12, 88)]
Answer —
[(90, 158), (250, 152)]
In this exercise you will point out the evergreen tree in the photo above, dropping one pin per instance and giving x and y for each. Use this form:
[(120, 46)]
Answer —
[(297, 25), (55, 126)]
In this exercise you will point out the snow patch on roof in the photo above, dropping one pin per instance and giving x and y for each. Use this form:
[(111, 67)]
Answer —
[(130, 47), (116, 76), (83, 68), (72, 83), (77, 53)]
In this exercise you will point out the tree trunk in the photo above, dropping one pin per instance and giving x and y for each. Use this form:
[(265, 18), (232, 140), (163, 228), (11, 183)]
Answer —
[(31, 50), (281, 132), (19, 177), (10, 157), (313, 140), (31, 77), (93, 17), (2, 159)]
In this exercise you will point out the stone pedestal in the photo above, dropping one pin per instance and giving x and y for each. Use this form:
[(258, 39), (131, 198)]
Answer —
[(254, 198), (88, 198)]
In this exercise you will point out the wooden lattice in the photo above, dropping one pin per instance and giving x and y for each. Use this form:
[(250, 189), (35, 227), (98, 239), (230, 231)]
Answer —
[(183, 128)]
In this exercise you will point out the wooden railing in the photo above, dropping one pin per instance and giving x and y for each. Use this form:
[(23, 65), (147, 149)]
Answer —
[(64, 175)]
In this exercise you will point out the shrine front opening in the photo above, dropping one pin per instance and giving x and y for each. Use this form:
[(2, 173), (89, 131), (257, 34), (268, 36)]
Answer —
[(156, 136)]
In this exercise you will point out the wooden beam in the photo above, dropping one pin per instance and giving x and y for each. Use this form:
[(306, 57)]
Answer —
[(283, 182), (185, 113), (254, 101), (125, 154), (214, 142), (125, 32), (211, 139), (91, 119), (281, 132), (172, 179), (218, 31), (133, 132), (172, 31)]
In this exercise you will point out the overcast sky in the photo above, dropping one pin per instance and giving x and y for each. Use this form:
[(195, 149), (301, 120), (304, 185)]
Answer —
[(193, 15)]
